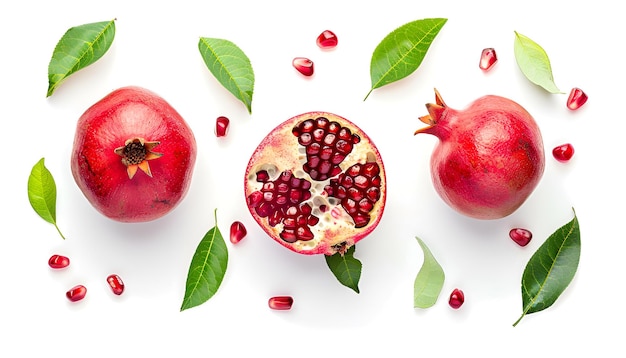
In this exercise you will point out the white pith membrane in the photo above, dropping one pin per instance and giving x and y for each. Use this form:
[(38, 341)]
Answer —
[(335, 231)]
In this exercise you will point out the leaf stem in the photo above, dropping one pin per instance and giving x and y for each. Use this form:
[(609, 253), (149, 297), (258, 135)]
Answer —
[(59, 231)]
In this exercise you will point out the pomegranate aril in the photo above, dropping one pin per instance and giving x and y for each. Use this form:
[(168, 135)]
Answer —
[(327, 40), (76, 293), (221, 126), (58, 261), (576, 99), (563, 152), (280, 303), (521, 236), (116, 284), (237, 232), (303, 65), (457, 297), (488, 58)]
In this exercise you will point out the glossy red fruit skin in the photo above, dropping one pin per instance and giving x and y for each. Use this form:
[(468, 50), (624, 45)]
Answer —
[(116, 284), (327, 40), (125, 113), (58, 261), (576, 99), (280, 303), (563, 153), (521, 236), (76, 293), (457, 298)]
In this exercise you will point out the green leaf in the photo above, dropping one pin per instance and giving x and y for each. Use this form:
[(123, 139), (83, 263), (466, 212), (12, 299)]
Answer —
[(429, 280), (42, 193), (346, 268), (79, 47), (534, 63), (551, 269), (207, 269), (230, 66), (402, 51)]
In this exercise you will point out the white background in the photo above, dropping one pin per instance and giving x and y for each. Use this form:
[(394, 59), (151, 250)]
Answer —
[(156, 47)]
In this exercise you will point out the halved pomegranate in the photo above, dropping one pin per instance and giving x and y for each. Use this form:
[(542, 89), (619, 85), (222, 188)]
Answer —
[(316, 184)]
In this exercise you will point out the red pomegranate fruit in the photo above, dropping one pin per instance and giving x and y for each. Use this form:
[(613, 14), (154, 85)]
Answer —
[(133, 155), (316, 184), (489, 158)]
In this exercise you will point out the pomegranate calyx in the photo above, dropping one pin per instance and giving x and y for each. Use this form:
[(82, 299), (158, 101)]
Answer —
[(136, 153), (435, 110)]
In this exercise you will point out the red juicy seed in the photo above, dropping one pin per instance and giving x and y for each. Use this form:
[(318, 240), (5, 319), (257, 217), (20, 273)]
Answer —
[(345, 134), (361, 181), (221, 126), (275, 218), (288, 235), (521, 236), (280, 303), (354, 170), (282, 187), (373, 193), (76, 293), (334, 127), (576, 99), (370, 169), (327, 40), (264, 209), (322, 122), (337, 158), (563, 152), (116, 284), (237, 232), (313, 220), (262, 176), (365, 206), (306, 209), (346, 181), (304, 233), (457, 297), (361, 220), (255, 199), (303, 65), (304, 139), (58, 261), (488, 58), (355, 194), (313, 149), (325, 167)]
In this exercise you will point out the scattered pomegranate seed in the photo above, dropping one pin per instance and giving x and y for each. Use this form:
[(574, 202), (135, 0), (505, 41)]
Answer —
[(576, 99), (281, 303), (327, 40), (456, 298), (303, 65), (521, 236), (116, 284), (488, 58), (58, 261), (76, 293), (237, 232), (563, 152), (221, 126)]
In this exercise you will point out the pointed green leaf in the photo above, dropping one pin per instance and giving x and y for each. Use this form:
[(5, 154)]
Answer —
[(551, 269), (207, 269), (346, 268), (230, 66), (534, 63), (42, 193), (79, 47), (402, 51), (429, 280)]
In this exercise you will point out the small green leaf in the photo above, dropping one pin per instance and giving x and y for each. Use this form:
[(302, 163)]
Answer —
[(42, 193), (534, 63), (346, 268), (551, 269), (207, 269), (402, 51), (429, 280), (79, 47), (230, 66)]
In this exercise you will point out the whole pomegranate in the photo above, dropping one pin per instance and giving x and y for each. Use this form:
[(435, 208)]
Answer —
[(490, 156), (133, 155), (316, 184)]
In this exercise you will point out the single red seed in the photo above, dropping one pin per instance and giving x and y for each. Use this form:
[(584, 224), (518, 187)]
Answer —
[(303, 65), (58, 261), (563, 152), (488, 58), (521, 236), (76, 293), (281, 303), (327, 40), (576, 99), (221, 126), (237, 232), (116, 284), (457, 297)]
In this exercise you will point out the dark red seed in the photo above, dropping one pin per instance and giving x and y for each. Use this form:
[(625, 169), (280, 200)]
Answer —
[(116, 284), (457, 297), (76, 293), (221, 126), (488, 58), (327, 40), (237, 232), (576, 99), (521, 236), (58, 261), (303, 65), (262, 176), (280, 303), (563, 152)]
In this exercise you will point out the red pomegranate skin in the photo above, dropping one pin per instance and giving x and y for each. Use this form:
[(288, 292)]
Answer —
[(127, 113)]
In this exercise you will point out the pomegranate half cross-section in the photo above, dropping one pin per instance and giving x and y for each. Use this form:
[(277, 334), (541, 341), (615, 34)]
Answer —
[(316, 184)]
